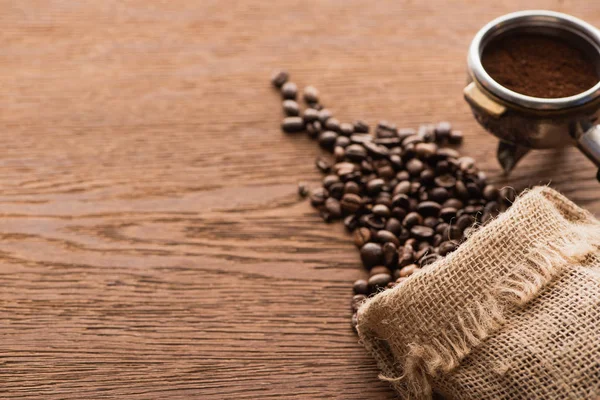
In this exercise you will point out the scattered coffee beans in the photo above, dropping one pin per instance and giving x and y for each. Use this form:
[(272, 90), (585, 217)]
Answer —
[(406, 199)]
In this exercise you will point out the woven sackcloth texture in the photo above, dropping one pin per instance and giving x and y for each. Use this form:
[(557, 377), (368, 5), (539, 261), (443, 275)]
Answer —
[(514, 313)]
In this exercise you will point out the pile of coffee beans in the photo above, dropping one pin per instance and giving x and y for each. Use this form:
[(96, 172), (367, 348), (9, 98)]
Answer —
[(406, 195)]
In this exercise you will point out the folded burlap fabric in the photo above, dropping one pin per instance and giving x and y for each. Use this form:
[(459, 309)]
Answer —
[(514, 313)]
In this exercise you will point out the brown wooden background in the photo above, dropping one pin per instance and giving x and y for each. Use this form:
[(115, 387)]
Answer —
[(152, 244)]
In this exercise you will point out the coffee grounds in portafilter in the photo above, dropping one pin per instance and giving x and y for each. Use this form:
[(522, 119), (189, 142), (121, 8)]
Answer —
[(539, 66), (406, 198)]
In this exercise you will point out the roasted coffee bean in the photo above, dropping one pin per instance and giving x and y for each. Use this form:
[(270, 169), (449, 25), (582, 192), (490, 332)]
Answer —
[(330, 180), (376, 151), (508, 195), (427, 132), (333, 207), (325, 215), (327, 139), (292, 124), (438, 194), (452, 233), (346, 129), (399, 213), (393, 225), (351, 222), (473, 189), (279, 78), (426, 150), (412, 242), (351, 188), (402, 187), (390, 254), (338, 153), (431, 222), (291, 108), (412, 219), (492, 208), (302, 189), (336, 190), (380, 269), (437, 240), (384, 236), (428, 259), (313, 129), (446, 247), (422, 232), (441, 228), (414, 167), (455, 137), (446, 181), (403, 176), (453, 203), (323, 165), (448, 214), (403, 235), (360, 287), (465, 221), (424, 249), (324, 115), (466, 163), (379, 281), (332, 124), (401, 200), (351, 203), (490, 192), (442, 167), (310, 115), (408, 270), (460, 189), (388, 126), (381, 211), (429, 208), (342, 141), (316, 106), (375, 222), (407, 256), (386, 172), (371, 255), (442, 131), (361, 127), (318, 197), (413, 203), (485, 217), (427, 176), (289, 90), (361, 236), (356, 152), (356, 302), (403, 133), (374, 186), (311, 94)]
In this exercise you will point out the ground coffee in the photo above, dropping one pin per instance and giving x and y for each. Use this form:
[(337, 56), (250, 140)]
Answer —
[(539, 66)]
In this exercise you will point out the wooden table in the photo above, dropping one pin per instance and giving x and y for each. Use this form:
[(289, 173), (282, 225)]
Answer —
[(152, 241)]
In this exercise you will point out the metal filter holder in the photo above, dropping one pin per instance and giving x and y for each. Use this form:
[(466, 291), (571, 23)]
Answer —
[(524, 122)]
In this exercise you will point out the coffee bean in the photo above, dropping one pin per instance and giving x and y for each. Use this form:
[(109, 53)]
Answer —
[(427, 176), (346, 129), (324, 115), (302, 189), (332, 124), (360, 287), (310, 115), (426, 150), (465, 221), (441, 228), (374, 186), (325, 215), (466, 163), (442, 131), (437, 240), (356, 302), (381, 211), (438, 194), (393, 225), (336, 190), (311, 94), (403, 176), (351, 188), (327, 139), (330, 180), (318, 197), (455, 137), (292, 124), (291, 108), (448, 214), (375, 222), (402, 188), (361, 236), (386, 172), (390, 254), (356, 152), (333, 207), (361, 127), (414, 166), (408, 270), (379, 281), (429, 208), (442, 167), (338, 153), (508, 195), (384, 236), (289, 90), (379, 269), (399, 213), (461, 190), (446, 181), (316, 106), (351, 222), (376, 151), (446, 247), (279, 78), (323, 165), (490, 192), (412, 219), (427, 132), (313, 129), (452, 233), (431, 222), (371, 255), (428, 259), (473, 190), (421, 232), (351, 203), (401, 200), (453, 203), (492, 208)]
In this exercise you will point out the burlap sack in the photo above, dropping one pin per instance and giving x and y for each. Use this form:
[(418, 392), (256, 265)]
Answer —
[(514, 313)]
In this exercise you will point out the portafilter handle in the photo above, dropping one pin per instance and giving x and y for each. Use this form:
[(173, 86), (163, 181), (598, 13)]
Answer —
[(587, 137)]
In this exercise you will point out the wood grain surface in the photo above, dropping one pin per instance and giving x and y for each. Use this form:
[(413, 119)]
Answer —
[(152, 244)]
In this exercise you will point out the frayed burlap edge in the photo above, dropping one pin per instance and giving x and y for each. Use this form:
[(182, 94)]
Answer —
[(426, 359)]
